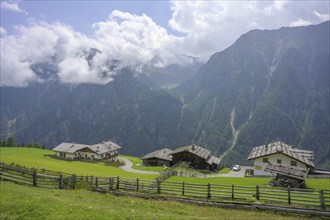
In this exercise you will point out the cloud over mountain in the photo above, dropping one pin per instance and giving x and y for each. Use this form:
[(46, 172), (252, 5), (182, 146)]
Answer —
[(127, 39)]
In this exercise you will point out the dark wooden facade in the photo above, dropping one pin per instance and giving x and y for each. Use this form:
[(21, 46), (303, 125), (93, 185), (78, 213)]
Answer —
[(194, 160), (156, 162)]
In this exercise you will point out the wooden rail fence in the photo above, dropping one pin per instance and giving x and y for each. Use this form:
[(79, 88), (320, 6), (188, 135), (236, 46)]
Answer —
[(319, 199)]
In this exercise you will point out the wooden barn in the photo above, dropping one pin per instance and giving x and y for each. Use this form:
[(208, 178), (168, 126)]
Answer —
[(198, 157), (158, 158), (287, 176)]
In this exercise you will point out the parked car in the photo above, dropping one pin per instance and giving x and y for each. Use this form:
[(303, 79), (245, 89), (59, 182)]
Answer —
[(237, 168)]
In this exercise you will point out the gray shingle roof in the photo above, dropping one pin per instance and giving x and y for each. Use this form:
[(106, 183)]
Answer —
[(213, 160), (163, 154), (304, 156), (100, 148), (194, 149), (104, 147), (296, 172), (69, 147)]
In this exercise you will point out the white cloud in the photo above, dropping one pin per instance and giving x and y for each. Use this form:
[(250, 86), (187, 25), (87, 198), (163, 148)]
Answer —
[(300, 22), (212, 26), (277, 5), (134, 39), (130, 40), (12, 6), (322, 17), (3, 31)]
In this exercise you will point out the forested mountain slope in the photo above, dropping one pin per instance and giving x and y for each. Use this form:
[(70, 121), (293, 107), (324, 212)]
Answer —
[(269, 85)]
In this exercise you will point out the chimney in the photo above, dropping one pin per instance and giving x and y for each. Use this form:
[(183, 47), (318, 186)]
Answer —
[(193, 147)]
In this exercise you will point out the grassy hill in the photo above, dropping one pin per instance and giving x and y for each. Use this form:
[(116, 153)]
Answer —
[(32, 157), (39, 203)]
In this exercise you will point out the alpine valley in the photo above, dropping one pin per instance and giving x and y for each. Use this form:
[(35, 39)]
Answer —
[(269, 85)]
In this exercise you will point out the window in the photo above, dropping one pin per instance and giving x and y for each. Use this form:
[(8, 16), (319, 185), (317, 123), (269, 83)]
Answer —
[(279, 161), (258, 167), (101, 155), (265, 160), (293, 163)]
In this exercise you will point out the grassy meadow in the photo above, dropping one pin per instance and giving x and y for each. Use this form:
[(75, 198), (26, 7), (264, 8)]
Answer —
[(23, 202), (138, 164), (32, 157)]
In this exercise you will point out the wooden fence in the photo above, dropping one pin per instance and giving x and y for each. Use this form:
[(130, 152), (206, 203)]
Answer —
[(211, 192)]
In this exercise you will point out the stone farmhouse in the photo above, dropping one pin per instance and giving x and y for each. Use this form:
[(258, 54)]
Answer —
[(281, 158), (197, 157), (107, 151)]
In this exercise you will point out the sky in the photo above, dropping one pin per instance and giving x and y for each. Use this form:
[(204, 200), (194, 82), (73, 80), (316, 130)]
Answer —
[(60, 35)]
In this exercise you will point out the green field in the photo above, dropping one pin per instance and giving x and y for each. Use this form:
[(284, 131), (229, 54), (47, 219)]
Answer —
[(24, 202), (32, 157), (246, 181), (138, 164), (242, 181)]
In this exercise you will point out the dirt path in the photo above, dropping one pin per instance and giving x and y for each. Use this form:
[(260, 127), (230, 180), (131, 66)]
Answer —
[(128, 167)]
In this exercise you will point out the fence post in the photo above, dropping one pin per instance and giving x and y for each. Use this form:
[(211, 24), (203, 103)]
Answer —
[(137, 184), (34, 178), (289, 195), (158, 186), (118, 182), (257, 193), (232, 191), (322, 203), (183, 188), (73, 181), (60, 183), (209, 191), (110, 183), (96, 182)]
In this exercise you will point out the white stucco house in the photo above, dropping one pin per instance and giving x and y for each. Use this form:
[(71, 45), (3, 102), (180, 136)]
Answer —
[(279, 153), (102, 151)]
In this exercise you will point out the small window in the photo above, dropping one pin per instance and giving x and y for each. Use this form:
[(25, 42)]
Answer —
[(258, 167), (101, 155), (265, 160), (293, 163), (279, 161)]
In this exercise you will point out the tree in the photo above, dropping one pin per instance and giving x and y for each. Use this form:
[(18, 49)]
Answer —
[(3, 143), (11, 142)]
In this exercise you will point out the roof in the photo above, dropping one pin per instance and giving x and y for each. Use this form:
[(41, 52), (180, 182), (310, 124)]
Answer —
[(100, 148), (104, 147), (304, 156), (69, 147), (295, 172), (213, 160), (194, 149), (163, 154)]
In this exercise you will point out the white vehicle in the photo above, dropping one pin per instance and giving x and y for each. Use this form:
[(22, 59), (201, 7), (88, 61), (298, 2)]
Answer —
[(237, 168)]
